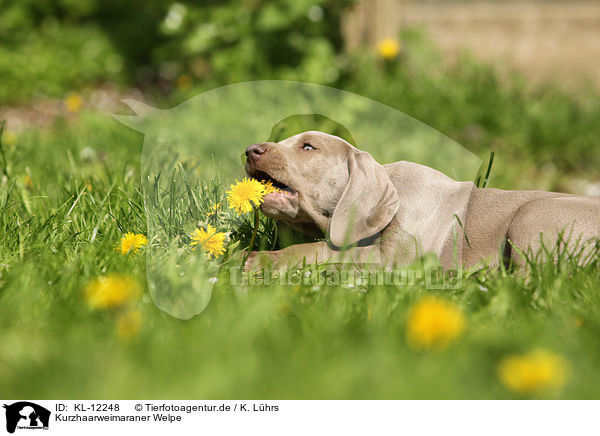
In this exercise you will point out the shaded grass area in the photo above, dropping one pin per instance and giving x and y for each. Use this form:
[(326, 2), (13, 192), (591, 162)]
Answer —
[(68, 193)]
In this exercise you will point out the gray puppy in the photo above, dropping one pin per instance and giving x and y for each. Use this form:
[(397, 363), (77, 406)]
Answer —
[(392, 214)]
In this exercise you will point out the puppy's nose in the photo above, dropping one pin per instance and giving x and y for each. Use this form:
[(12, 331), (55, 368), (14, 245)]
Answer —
[(255, 150)]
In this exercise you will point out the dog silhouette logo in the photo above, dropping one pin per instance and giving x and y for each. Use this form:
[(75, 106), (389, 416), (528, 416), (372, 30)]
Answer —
[(26, 415)]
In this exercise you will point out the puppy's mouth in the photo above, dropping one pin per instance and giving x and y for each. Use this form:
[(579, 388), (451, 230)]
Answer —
[(284, 189), (280, 203)]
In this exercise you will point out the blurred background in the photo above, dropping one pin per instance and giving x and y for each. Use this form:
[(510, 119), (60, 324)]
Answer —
[(517, 77), (544, 39)]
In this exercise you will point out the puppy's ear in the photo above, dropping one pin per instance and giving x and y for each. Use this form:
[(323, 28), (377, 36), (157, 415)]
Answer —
[(368, 203)]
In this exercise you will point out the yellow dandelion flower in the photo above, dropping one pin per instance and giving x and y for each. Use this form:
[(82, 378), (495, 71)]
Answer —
[(131, 243), (388, 48), (129, 324), (73, 102), (269, 186), (536, 371), (210, 240), (184, 82), (111, 291), (434, 323), (243, 194)]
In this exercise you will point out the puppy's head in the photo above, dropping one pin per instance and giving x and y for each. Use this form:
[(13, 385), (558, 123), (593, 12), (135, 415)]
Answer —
[(326, 185)]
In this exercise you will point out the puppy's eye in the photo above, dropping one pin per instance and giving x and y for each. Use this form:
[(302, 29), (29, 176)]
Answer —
[(307, 146)]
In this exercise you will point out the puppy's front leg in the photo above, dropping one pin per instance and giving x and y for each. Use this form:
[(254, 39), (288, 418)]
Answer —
[(313, 253)]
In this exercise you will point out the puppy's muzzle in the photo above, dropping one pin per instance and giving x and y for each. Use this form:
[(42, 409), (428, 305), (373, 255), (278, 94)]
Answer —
[(254, 154)]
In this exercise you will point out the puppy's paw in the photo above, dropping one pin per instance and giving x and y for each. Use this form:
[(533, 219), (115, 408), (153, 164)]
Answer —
[(260, 259)]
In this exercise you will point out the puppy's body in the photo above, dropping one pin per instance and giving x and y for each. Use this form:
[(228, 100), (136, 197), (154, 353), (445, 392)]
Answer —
[(392, 214), (432, 208), (527, 219)]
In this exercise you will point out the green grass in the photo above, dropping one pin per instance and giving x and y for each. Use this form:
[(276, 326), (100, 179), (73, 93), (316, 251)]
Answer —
[(300, 341)]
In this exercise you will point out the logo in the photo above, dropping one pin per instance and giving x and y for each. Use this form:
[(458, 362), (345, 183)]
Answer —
[(26, 415)]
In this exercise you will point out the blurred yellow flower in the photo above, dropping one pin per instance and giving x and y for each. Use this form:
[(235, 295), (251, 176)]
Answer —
[(73, 102), (9, 138), (131, 243), (269, 186), (244, 193), (184, 82), (210, 240), (434, 323), (388, 48), (129, 324), (28, 181), (535, 371), (111, 291)]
